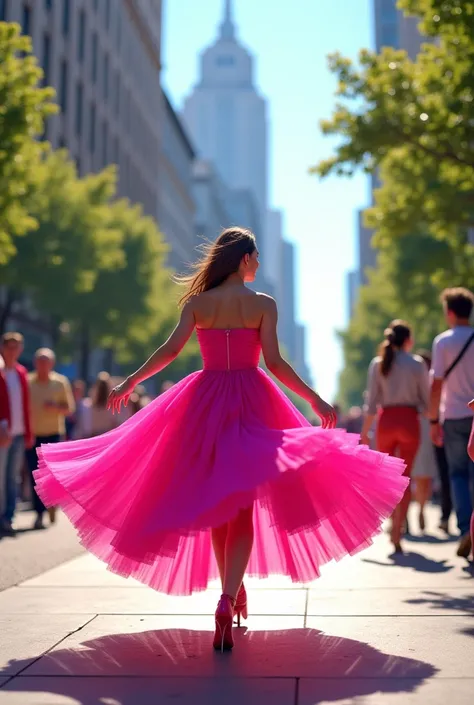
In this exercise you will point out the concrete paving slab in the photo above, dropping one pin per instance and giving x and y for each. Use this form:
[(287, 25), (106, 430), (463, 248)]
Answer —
[(88, 571), (24, 639), (148, 691), (117, 600), (422, 566), (438, 641), (391, 602), (389, 691), (173, 646), (85, 571)]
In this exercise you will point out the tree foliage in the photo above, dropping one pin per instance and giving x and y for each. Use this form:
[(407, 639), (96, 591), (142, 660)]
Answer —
[(24, 105), (393, 291), (60, 258), (412, 122)]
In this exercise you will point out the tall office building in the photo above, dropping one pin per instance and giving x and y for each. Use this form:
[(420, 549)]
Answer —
[(394, 29), (352, 287), (91, 52), (287, 319), (103, 57), (227, 118), (176, 205)]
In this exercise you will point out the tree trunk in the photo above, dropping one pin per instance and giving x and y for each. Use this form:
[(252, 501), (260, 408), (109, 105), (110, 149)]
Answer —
[(6, 310)]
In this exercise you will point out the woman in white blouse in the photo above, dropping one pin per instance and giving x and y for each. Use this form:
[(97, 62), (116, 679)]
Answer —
[(397, 392)]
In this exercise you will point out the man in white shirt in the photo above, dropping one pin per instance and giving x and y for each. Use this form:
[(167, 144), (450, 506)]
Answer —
[(452, 389)]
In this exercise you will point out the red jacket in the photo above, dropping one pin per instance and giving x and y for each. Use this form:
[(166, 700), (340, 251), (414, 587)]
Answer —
[(5, 401)]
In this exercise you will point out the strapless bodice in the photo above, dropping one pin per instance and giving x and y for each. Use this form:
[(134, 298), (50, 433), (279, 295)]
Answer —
[(234, 349)]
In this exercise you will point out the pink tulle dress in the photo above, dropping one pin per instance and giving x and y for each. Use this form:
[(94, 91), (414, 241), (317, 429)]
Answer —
[(143, 497)]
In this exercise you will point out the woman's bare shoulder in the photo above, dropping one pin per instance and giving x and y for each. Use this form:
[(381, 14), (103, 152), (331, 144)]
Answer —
[(266, 305), (265, 299)]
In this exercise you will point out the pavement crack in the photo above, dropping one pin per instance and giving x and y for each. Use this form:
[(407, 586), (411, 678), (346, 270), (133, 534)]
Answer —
[(54, 646)]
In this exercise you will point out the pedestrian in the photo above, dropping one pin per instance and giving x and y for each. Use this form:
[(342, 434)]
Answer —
[(73, 420), (15, 420), (443, 472), (354, 420), (425, 468), (397, 393), (95, 418), (51, 402), (451, 390), (222, 457), (470, 450)]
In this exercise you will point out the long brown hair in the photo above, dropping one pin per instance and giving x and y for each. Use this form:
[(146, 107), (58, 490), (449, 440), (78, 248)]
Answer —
[(396, 335), (220, 259)]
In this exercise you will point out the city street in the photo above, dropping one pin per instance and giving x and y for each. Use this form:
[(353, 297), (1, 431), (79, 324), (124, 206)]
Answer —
[(371, 631), (30, 553)]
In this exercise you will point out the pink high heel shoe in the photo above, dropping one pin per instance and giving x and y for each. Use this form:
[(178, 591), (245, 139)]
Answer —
[(240, 608), (223, 639)]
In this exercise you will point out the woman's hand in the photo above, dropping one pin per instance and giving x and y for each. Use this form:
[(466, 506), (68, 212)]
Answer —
[(120, 393), (325, 412)]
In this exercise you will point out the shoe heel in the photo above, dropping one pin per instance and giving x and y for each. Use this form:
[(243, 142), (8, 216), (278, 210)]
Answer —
[(223, 640), (241, 608)]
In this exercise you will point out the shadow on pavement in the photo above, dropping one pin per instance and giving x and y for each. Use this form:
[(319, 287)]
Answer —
[(180, 663), (469, 569), (413, 560), (439, 600), (430, 538)]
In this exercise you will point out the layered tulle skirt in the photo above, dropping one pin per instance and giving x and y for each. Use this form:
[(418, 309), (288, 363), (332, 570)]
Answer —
[(144, 496)]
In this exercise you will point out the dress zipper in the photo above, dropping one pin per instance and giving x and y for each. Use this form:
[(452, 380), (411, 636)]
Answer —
[(227, 334)]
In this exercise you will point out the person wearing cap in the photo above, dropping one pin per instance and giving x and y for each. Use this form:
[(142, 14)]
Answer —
[(15, 425), (51, 402)]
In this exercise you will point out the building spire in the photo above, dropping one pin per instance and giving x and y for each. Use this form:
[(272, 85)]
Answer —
[(227, 25)]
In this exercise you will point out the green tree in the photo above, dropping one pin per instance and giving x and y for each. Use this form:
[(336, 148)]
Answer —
[(413, 123), (132, 303), (414, 120), (60, 258), (24, 105), (396, 289)]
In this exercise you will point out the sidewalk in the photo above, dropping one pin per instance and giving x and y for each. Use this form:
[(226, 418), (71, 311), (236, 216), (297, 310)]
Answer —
[(369, 632)]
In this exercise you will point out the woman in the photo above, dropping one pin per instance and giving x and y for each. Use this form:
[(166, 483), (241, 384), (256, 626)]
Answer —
[(425, 465), (95, 418), (73, 421), (398, 388), (222, 473)]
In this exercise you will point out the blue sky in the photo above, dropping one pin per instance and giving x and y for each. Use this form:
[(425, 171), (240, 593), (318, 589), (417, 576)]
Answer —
[(291, 41)]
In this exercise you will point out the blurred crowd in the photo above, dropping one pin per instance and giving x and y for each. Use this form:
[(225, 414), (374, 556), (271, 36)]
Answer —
[(43, 406)]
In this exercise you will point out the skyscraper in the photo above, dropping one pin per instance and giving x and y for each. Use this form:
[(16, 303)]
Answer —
[(394, 29), (226, 117)]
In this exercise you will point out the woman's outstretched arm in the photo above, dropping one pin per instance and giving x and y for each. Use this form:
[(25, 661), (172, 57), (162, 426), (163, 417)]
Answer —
[(283, 371), (160, 359)]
